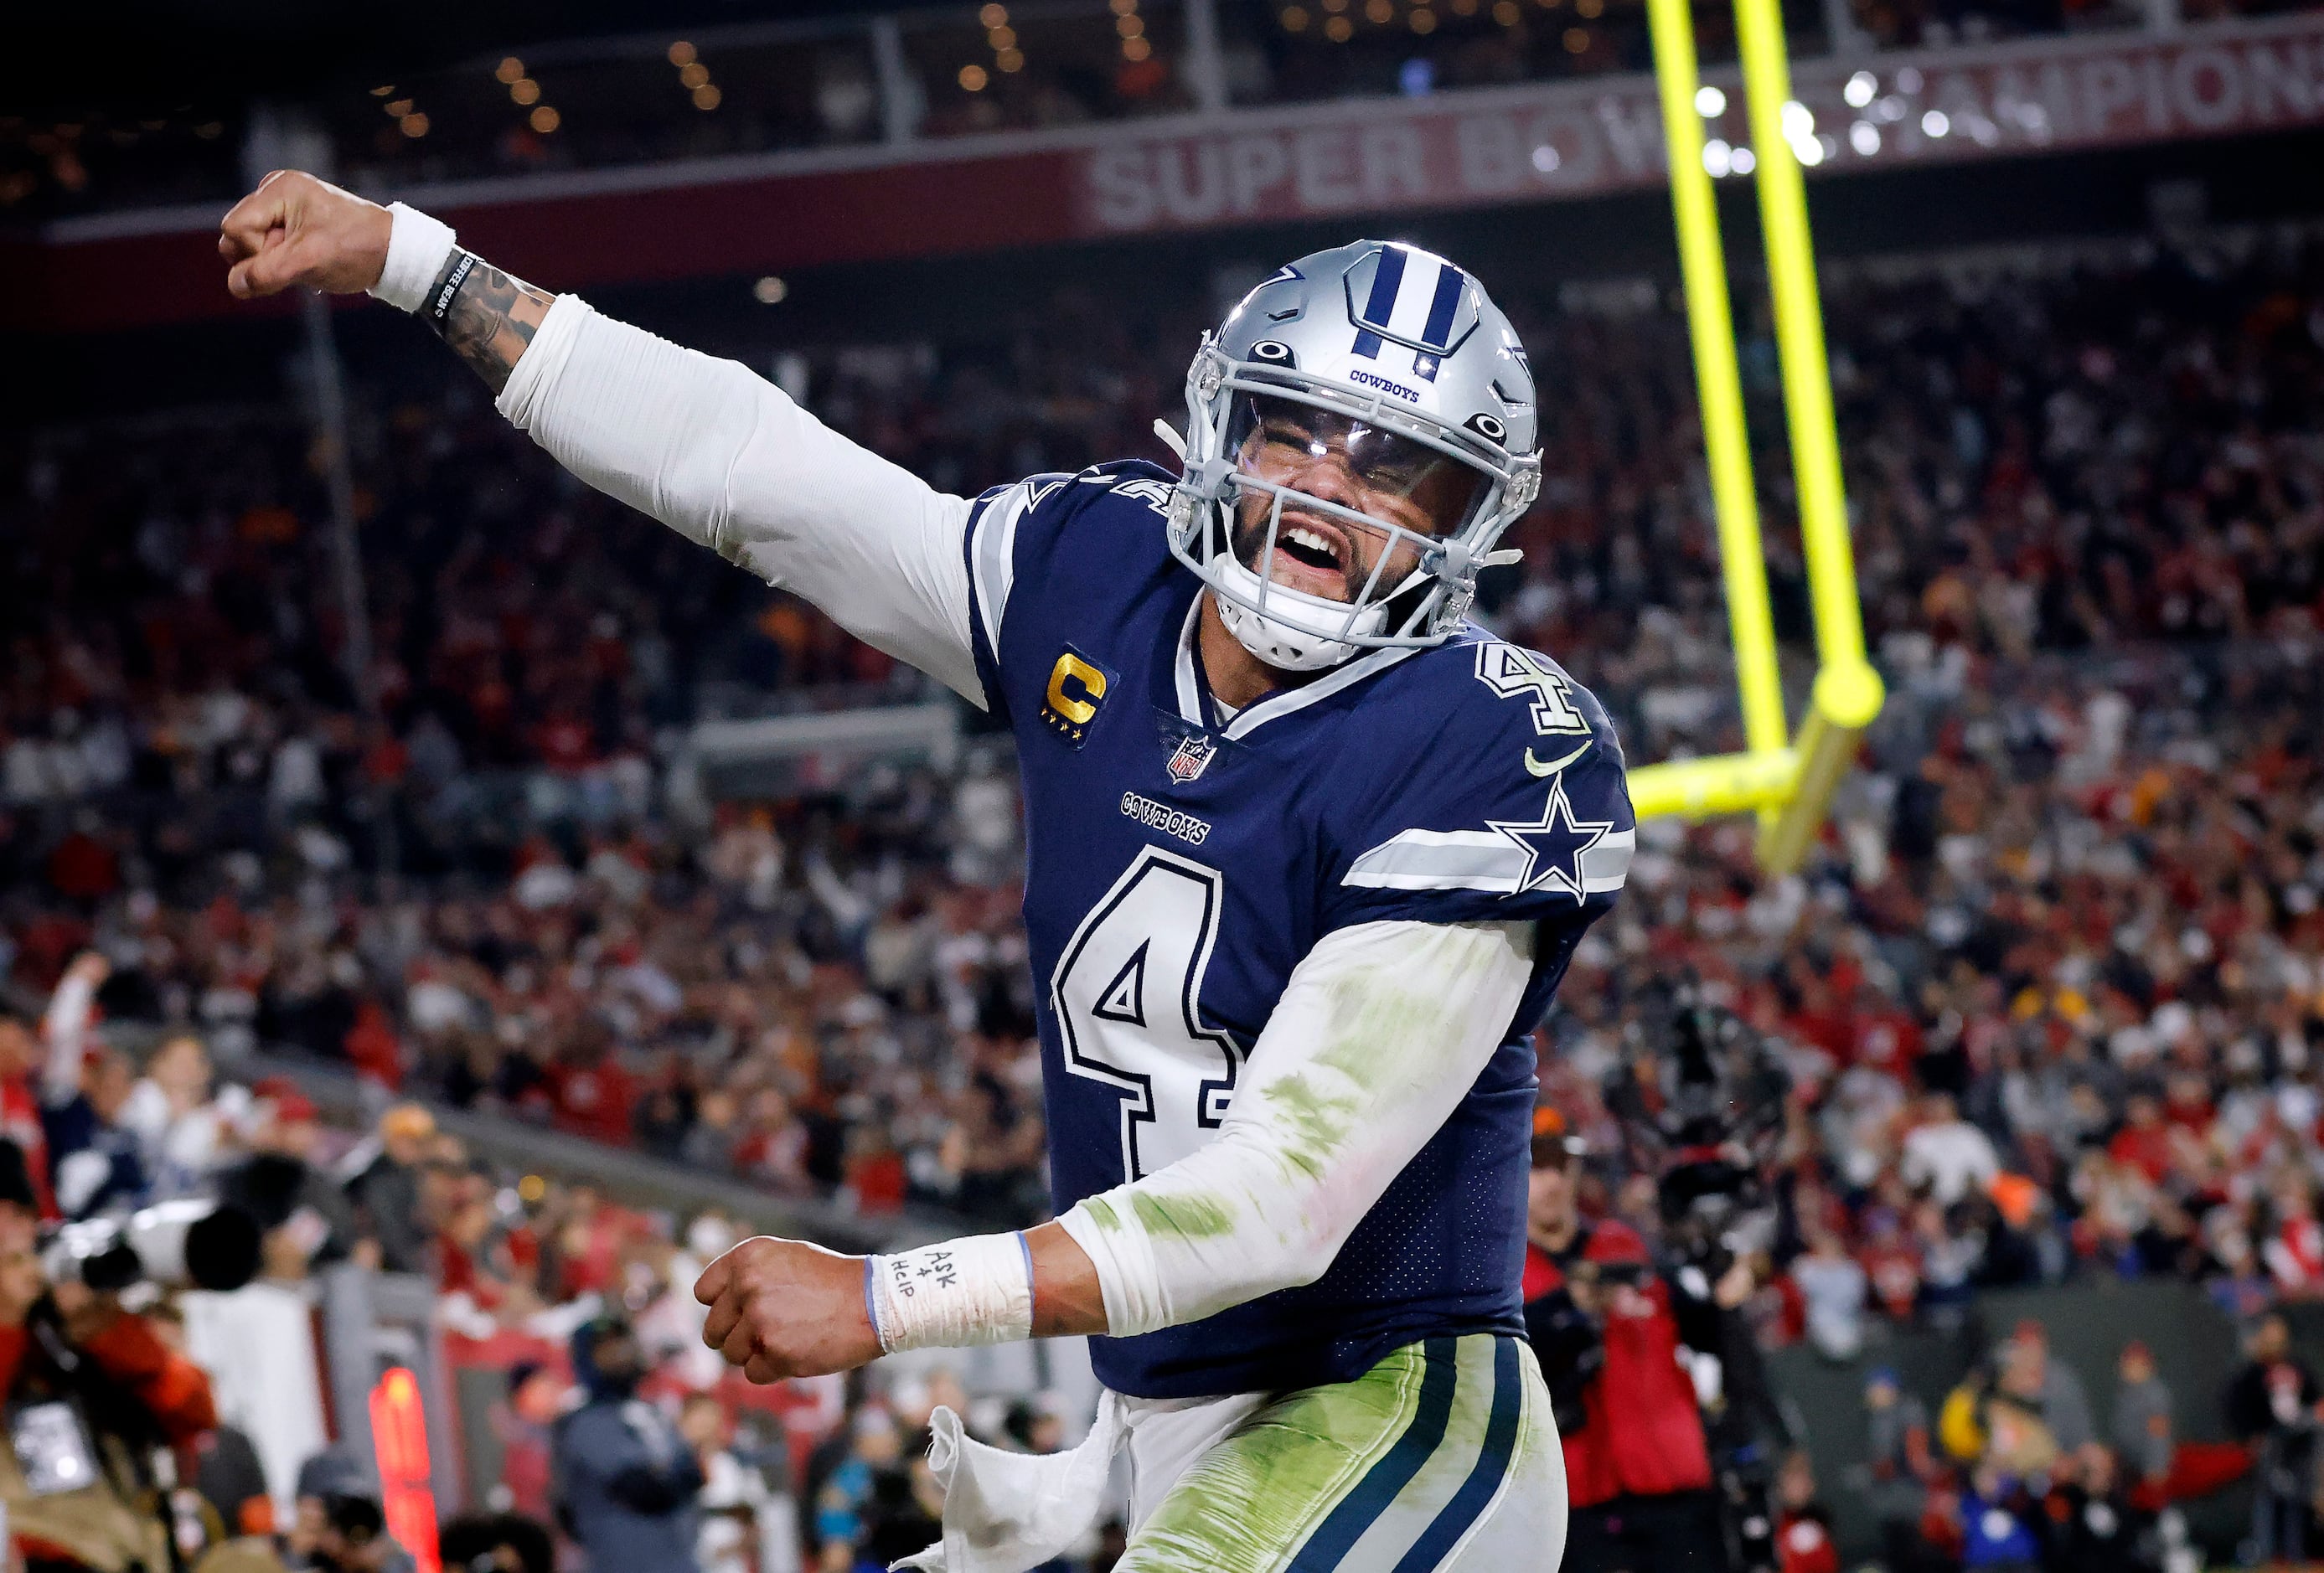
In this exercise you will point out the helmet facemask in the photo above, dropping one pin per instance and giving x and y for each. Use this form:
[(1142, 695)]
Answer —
[(1327, 521)]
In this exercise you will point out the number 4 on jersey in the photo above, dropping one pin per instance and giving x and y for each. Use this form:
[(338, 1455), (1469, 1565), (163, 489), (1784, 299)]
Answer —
[(1512, 674), (1127, 993)]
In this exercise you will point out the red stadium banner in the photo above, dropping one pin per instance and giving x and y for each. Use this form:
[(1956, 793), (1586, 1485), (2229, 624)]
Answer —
[(1469, 148), (1585, 139)]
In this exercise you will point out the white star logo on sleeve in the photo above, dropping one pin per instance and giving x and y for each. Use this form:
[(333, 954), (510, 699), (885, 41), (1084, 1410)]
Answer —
[(1554, 845)]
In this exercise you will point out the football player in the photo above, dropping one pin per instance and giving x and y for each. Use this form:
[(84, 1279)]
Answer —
[(1309, 851)]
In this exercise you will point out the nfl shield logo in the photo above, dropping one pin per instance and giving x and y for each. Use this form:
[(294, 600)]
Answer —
[(1192, 757)]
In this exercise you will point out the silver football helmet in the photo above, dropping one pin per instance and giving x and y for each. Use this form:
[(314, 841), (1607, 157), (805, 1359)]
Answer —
[(1360, 432)]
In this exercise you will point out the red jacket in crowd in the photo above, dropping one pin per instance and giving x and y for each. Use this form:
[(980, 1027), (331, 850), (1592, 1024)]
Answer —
[(174, 1389), (1643, 1435)]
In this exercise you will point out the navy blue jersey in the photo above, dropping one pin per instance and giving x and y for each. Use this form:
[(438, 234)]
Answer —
[(1178, 870)]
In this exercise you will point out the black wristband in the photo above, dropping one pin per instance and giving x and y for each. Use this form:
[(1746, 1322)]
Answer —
[(438, 305)]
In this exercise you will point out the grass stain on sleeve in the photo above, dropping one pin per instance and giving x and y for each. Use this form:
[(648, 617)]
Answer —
[(1314, 1125), (1185, 1217)]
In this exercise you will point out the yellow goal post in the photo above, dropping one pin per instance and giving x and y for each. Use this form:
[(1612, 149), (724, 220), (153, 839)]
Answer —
[(1788, 783)]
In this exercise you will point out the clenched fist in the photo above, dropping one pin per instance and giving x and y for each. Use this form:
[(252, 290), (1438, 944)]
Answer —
[(296, 229), (786, 1308)]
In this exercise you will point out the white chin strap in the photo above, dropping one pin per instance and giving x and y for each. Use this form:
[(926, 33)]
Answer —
[(1297, 632)]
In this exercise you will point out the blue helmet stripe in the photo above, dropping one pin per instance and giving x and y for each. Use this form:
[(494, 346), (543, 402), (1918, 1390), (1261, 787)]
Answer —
[(1379, 306), (1387, 283), (1449, 281)]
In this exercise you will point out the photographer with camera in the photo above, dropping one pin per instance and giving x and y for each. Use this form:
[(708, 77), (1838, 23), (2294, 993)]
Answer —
[(1637, 1465), (92, 1395), (1672, 1431)]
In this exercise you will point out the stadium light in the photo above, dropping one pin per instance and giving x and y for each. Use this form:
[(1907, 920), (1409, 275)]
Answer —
[(1789, 784)]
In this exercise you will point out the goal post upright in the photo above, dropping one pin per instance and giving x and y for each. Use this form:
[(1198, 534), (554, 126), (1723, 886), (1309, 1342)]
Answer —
[(1848, 693), (1788, 785), (1719, 385)]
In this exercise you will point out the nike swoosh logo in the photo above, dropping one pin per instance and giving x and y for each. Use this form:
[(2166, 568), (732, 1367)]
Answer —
[(1537, 767)]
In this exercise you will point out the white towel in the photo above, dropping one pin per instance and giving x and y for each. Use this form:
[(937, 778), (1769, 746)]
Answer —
[(1007, 1512)]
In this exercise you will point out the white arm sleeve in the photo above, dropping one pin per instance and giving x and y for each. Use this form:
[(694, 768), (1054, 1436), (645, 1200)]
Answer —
[(65, 1027), (1381, 1032), (723, 458)]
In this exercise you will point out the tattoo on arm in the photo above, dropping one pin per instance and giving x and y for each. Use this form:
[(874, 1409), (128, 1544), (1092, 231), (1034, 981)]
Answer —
[(491, 319)]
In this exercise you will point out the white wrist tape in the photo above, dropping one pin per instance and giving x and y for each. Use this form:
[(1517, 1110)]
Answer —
[(976, 1290), (416, 249)]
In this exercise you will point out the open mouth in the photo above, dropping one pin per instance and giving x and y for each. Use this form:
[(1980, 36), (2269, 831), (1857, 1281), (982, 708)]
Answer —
[(1311, 556), (1310, 547)]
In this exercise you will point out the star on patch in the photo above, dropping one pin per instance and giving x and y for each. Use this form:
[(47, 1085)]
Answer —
[(1554, 845)]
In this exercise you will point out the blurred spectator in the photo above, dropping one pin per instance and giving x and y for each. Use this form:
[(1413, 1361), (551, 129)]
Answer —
[(308, 1221), (2091, 1524), (1803, 1542), (383, 1187), (181, 1127), (1947, 1155), (496, 1542), (1899, 1467), (1833, 1284), (627, 1482), (523, 1423), (1997, 1523), (2143, 1433), (19, 1110), (2271, 1406), (95, 1161), (2029, 1373), (1600, 1319), (905, 1513), (2019, 1410), (354, 1539), (734, 1496), (92, 1390), (231, 1479), (848, 1503), (323, 1480)]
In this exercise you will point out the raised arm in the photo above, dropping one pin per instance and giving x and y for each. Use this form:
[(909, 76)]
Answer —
[(65, 1025), (706, 445)]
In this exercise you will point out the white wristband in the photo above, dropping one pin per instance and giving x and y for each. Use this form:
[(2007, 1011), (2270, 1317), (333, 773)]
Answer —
[(416, 248), (976, 1290)]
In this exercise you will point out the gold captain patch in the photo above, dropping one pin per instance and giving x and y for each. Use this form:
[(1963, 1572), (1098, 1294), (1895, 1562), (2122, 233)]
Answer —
[(1077, 686)]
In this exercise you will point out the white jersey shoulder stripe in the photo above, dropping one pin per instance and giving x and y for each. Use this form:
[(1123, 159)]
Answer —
[(1478, 859), (993, 551)]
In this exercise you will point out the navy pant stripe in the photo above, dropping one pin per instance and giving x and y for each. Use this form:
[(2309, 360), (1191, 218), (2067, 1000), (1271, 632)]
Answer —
[(1356, 1512), (1492, 1463), (1449, 281)]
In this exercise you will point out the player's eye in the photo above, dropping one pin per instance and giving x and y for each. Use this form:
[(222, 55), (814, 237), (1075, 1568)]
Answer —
[(1384, 459)]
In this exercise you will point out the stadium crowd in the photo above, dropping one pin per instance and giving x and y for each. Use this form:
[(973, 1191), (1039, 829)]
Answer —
[(2081, 871), (2052, 993)]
